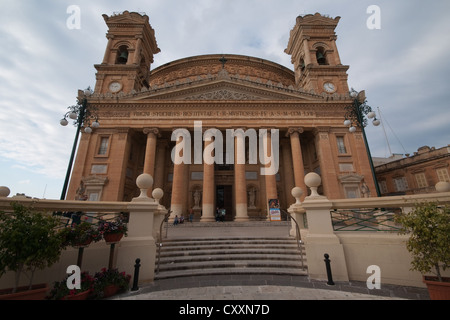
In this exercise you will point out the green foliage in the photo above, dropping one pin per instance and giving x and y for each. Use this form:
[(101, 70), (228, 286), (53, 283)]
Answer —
[(428, 226), (79, 234), (29, 240), (60, 290)]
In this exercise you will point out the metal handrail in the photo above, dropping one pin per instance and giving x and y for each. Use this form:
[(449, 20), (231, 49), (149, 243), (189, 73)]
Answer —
[(297, 236), (166, 218)]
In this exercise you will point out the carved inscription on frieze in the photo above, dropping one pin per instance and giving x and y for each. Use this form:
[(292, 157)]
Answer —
[(242, 114)]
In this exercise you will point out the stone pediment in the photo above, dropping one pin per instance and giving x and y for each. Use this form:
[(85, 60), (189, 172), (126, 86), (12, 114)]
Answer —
[(223, 87)]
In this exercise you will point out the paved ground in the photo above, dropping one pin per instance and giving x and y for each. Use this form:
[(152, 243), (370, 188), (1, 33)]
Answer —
[(258, 287)]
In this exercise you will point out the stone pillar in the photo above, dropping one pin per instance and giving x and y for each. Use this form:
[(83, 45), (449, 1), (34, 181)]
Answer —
[(240, 183), (140, 242), (160, 164), (178, 188), (328, 163), (137, 51), (150, 150), (321, 238), (108, 49), (271, 181), (288, 174), (208, 186), (297, 158)]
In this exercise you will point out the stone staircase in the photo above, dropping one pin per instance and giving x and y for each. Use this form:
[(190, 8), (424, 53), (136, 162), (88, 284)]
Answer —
[(224, 256)]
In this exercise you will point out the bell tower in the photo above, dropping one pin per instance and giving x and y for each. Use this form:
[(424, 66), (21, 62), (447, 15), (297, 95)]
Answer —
[(128, 55), (313, 51)]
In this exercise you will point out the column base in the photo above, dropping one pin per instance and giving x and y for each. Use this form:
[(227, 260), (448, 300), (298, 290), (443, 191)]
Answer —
[(177, 210), (241, 212), (208, 214)]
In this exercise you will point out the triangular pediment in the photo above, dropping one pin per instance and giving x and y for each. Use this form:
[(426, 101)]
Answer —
[(225, 89)]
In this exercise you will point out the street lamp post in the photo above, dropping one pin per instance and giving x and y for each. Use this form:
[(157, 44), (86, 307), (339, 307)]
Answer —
[(356, 116), (83, 116)]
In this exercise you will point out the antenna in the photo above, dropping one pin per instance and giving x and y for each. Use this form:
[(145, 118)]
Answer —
[(384, 119), (385, 135)]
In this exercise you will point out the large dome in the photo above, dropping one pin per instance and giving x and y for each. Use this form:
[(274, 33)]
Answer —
[(200, 67)]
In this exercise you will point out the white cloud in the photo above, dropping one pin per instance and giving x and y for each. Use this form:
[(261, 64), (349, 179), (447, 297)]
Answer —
[(403, 67)]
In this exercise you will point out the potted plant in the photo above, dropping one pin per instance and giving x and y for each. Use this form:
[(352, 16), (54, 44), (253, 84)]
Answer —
[(60, 290), (29, 240), (80, 235), (113, 231), (109, 282), (428, 226)]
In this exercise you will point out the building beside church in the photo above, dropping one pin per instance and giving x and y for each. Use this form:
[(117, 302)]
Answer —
[(416, 173), (301, 110)]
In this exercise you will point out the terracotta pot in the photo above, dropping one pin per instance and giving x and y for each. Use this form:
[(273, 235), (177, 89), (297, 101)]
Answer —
[(37, 292), (112, 237), (84, 244), (438, 290), (110, 290), (80, 296)]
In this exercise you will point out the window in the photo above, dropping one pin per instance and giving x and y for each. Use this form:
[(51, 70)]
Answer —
[(341, 145), (383, 186), (400, 184), (442, 174), (421, 180), (103, 148), (352, 192)]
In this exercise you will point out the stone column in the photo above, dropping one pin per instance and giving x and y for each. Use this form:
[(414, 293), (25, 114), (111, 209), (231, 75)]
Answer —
[(271, 181), (240, 183), (208, 186), (178, 189), (160, 164), (110, 38), (137, 51), (288, 174), (297, 158), (150, 151)]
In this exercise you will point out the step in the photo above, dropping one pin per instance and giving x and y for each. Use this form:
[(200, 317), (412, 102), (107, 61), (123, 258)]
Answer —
[(233, 251), (231, 271), (238, 255)]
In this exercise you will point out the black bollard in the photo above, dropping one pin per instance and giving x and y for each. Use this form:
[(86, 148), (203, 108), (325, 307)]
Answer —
[(136, 275), (328, 266)]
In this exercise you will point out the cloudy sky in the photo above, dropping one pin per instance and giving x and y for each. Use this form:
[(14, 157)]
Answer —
[(403, 66)]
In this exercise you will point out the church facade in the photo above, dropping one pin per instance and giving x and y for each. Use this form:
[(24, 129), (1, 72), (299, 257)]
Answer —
[(220, 131)]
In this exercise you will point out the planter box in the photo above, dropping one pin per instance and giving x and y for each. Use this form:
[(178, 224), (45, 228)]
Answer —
[(438, 290), (37, 292)]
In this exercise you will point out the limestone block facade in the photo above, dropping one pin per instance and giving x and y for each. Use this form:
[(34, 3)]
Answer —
[(415, 174), (140, 109)]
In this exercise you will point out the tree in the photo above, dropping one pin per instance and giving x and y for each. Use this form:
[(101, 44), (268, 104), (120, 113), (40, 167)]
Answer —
[(429, 228), (29, 240)]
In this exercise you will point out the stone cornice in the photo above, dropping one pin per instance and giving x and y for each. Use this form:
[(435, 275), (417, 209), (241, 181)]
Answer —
[(191, 87)]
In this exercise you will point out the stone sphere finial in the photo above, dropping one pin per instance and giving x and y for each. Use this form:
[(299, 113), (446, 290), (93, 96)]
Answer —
[(4, 191), (313, 181), (144, 182), (442, 186), (157, 194), (297, 193)]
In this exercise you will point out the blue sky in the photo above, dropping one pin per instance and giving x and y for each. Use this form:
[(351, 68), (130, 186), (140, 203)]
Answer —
[(403, 67)]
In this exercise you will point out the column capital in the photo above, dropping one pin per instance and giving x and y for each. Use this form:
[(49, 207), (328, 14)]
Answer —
[(298, 130), (155, 131)]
